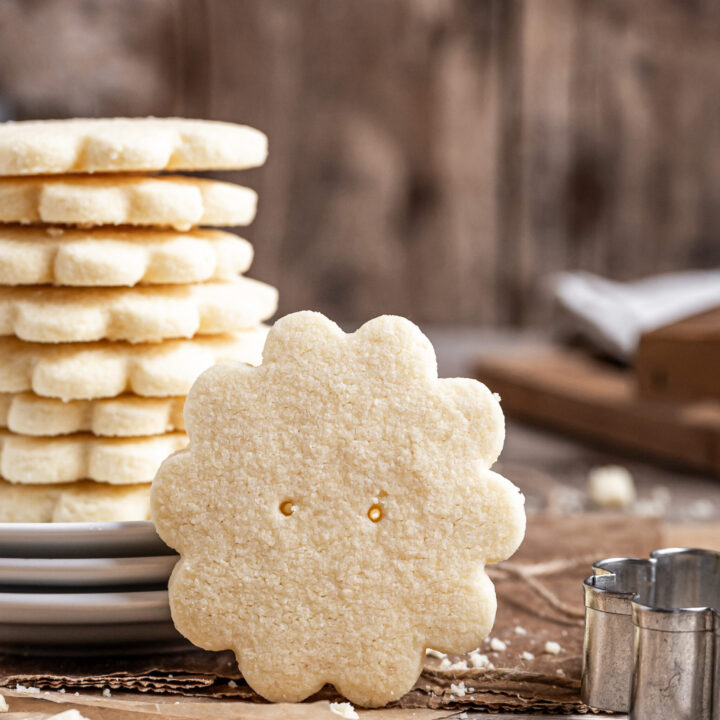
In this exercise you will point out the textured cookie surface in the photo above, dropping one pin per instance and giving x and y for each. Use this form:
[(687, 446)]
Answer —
[(106, 257), (118, 461), (85, 371), (335, 509), (138, 314), (39, 147), (124, 416), (74, 502), (127, 200)]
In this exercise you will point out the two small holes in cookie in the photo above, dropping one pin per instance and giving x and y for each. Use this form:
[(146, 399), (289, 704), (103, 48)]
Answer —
[(375, 513)]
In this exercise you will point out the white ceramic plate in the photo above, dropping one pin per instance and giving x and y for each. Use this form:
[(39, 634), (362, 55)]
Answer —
[(134, 638), (80, 540), (84, 608), (74, 572)]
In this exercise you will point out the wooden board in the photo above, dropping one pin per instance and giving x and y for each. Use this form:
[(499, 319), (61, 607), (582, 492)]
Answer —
[(570, 391), (681, 360)]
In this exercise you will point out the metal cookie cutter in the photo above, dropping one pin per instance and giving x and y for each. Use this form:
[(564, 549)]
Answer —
[(652, 636)]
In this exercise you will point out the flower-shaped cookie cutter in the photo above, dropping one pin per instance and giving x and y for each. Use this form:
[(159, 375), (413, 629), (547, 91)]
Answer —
[(652, 645)]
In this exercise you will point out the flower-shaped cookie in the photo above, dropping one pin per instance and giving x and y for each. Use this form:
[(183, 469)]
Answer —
[(334, 510)]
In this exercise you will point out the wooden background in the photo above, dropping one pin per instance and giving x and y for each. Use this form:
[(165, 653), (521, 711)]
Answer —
[(433, 158)]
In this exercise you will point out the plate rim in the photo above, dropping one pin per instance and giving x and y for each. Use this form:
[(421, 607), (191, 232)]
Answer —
[(132, 538), (92, 526), (118, 596), (89, 563), (73, 608)]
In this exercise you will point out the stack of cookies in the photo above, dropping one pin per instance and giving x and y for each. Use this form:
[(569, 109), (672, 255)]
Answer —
[(114, 297)]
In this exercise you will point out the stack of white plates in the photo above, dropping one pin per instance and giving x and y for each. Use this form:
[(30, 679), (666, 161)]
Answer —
[(82, 584)]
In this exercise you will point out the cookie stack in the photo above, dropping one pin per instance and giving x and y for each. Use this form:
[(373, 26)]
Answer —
[(114, 297)]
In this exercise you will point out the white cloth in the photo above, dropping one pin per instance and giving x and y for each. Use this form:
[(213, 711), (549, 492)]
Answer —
[(613, 315)]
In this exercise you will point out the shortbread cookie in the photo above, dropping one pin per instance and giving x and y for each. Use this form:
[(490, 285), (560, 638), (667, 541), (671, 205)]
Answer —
[(124, 416), (40, 147), (179, 202), (337, 500), (139, 314), (118, 461), (106, 257), (74, 502), (85, 371)]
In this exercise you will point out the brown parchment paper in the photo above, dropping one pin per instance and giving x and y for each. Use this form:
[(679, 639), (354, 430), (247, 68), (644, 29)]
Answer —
[(539, 600)]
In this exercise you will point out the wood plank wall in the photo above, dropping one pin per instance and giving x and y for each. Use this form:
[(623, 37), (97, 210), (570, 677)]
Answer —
[(433, 158)]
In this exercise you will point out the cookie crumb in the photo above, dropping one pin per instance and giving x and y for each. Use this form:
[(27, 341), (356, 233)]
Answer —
[(611, 486), (106, 692), (26, 688), (552, 647), (560, 672), (435, 653), (525, 655), (701, 509), (232, 684), (498, 645), (520, 630), (71, 714), (344, 710), (459, 665), (458, 689), (480, 660)]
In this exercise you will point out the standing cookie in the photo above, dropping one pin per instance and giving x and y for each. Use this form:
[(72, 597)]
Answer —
[(334, 511)]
